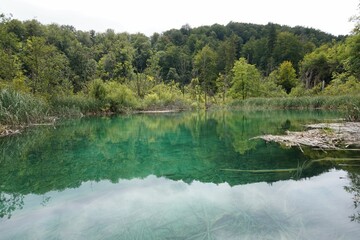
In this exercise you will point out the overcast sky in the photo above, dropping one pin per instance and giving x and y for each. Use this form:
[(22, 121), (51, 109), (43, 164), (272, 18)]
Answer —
[(149, 16)]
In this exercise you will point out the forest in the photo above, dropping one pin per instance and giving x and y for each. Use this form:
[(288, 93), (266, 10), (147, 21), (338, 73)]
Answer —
[(57, 70)]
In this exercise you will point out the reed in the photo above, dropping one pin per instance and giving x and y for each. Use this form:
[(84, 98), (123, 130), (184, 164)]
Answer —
[(21, 109), (306, 102), (75, 105)]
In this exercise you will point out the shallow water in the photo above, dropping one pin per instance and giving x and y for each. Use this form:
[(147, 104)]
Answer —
[(175, 176)]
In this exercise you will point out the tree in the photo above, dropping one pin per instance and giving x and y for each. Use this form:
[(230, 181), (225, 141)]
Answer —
[(223, 84), (271, 42), (288, 47), (255, 52), (227, 51), (205, 67), (47, 69), (153, 68), (285, 76), (117, 64), (82, 64), (142, 51), (246, 80), (10, 66), (356, 20), (353, 51), (320, 65)]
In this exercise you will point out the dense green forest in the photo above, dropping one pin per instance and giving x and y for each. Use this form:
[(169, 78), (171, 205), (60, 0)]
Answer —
[(58, 70)]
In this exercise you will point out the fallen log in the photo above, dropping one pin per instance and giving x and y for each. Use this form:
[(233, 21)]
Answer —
[(327, 136)]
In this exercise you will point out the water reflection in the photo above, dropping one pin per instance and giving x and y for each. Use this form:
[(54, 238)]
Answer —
[(354, 189), (158, 208), (178, 146), (169, 172)]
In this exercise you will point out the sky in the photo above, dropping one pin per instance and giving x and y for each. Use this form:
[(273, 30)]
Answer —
[(149, 16)]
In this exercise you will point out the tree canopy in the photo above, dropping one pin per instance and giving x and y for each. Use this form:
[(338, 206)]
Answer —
[(247, 59)]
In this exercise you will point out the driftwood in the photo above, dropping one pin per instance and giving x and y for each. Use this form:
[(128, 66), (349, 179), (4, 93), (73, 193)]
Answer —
[(8, 132), (329, 136)]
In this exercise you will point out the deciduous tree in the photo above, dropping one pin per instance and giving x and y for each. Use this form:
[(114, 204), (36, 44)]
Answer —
[(246, 80)]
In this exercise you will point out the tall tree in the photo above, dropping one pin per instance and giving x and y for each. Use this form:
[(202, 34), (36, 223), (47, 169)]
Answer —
[(205, 67), (353, 50), (117, 63), (285, 76), (227, 52), (288, 47), (142, 51), (271, 42), (246, 80), (10, 66), (47, 68)]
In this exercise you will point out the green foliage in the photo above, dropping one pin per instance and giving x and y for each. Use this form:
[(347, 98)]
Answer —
[(58, 62), (75, 105), (205, 66), (118, 62), (343, 85), (97, 89), (10, 66), (254, 50), (21, 108), (166, 96), (353, 113), (119, 98), (246, 80), (288, 47), (269, 88), (48, 68), (306, 102), (353, 51), (285, 76), (320, 65)]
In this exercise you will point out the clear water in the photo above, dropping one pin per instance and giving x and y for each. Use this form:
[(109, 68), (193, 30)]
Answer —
[(175, 176)]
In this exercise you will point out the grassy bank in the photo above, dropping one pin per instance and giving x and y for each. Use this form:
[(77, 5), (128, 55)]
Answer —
[(313, 102), (21, 109)]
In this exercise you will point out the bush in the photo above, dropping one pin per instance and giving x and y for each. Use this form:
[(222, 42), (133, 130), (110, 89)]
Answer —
[(120, 98), (166, 96), (97, 89)]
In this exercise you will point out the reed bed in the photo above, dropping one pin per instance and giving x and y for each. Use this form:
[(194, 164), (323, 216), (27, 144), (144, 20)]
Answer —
[(306, 102), (21, 108)]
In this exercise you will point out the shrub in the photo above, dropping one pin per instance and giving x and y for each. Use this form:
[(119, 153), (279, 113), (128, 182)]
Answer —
[(166, 96), (120, 98)]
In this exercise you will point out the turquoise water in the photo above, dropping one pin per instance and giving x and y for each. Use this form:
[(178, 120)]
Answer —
[(175, 176)]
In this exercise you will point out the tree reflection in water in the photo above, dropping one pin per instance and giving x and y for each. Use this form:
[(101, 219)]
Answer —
[(354, 188), (10, 203)]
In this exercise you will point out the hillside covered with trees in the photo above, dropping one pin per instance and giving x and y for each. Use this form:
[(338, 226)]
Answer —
[(58, 69)]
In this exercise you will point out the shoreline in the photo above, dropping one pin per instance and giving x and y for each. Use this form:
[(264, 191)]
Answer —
[(324, 136), (158, 111)]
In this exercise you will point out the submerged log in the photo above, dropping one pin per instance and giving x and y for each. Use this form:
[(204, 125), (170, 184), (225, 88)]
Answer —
[(335, 136)]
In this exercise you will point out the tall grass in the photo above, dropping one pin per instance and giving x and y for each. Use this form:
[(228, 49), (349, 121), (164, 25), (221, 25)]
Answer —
[(313, 102), (75, 105), (20, 108)]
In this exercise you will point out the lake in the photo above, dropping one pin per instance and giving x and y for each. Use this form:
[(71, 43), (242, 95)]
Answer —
[(176, 176)]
